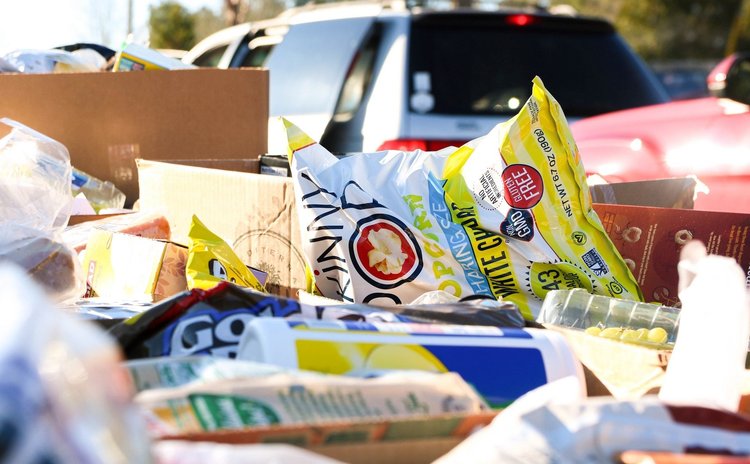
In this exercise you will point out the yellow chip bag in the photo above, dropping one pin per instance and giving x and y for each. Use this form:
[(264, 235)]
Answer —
[(211, 260), (507, 215)]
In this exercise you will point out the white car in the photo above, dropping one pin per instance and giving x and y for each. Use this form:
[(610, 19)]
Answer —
[(369, 76)]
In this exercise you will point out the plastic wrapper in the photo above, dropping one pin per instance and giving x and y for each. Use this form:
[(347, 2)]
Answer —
[(707, 366), (101, 194), (144, 224), (35, 203), (176, 371), (645, 324), (306, 398), (49, 61), (66, 397), (555, 424), (507, 215), (212, 321), (211, 260)]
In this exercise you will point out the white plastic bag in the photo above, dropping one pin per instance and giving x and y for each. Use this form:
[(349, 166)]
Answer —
[(506, 216), (708, 360), (66, 397), (553, 424), (35, 205)]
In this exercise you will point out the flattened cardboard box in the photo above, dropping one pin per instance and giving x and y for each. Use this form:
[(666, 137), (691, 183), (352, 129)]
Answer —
[(107, 120), (650, 240), (253, 213)]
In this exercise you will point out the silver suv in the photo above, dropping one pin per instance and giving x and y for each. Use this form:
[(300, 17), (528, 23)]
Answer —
[(368, 76)]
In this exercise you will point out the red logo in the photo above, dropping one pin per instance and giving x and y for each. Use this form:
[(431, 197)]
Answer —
[(522, 186), (384, 251)]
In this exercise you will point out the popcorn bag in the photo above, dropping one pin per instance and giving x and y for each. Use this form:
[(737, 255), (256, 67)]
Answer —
[(507, 215)]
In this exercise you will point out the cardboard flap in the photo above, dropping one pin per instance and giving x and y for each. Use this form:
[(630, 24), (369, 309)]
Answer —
[(253, 213)]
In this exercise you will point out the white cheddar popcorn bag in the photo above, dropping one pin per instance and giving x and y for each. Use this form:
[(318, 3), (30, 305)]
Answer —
[(507, 215)]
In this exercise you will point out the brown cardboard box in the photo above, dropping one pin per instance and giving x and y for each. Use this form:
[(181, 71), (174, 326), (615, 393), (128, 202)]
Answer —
[(107, 120), (663, 193), (653, 237), (419, 440), (127, 266), (255, 214)]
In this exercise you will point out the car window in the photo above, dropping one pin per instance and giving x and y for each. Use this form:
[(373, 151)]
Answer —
[(358, 78), (211, 58), (309, 67), (467, 66)]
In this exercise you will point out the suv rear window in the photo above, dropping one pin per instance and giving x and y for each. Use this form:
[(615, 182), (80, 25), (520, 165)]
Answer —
[(484, 64)]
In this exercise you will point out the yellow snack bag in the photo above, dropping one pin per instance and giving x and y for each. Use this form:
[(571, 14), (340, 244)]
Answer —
[(508, 216), (211, 260)]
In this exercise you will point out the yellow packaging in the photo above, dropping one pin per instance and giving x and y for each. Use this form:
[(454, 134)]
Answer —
[(127, 266), (211, 260), (507, 215)]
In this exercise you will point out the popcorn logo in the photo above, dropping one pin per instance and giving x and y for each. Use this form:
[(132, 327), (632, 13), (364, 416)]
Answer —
[(386, 253)]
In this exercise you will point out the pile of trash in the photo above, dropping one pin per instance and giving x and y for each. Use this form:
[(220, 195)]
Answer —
[(465, 305)]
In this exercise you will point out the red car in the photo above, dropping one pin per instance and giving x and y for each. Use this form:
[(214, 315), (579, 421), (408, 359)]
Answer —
[(708, 138)]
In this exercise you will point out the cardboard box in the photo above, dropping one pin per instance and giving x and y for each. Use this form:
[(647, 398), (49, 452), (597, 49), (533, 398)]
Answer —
[(127, 266), (663, 193), (420, 440), (653, 237), (254, 214), (107, 120)]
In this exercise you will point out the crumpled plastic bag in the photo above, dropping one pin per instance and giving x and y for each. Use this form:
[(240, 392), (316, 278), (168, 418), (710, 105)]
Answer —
[(507, 216), (66, 397), (35, 205), (555, 424), (29, 61)]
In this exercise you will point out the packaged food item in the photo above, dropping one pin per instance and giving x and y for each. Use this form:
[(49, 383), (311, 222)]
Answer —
[(126, 266), (646, 324), (500, 363), (169, 371), (212, 321), (291, 398), (507, 215), (650, 240), (101, 194), (211, 260), (140, 223), (134, 57), (35, 204), (66, 397)]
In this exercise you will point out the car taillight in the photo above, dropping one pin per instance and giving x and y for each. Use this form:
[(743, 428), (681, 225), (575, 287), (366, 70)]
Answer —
[(419, 144), (519, 20)]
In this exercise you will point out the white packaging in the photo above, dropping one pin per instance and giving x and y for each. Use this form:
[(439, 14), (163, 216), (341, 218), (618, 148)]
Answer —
[(501, 364), (506, 216), (708, 361), (306, 398)]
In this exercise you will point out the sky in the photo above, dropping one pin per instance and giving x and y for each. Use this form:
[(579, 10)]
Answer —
[(42, 24)]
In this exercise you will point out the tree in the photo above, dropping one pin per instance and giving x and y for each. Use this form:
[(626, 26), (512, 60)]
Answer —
[(206, 22), (171, 26), (671, 29)]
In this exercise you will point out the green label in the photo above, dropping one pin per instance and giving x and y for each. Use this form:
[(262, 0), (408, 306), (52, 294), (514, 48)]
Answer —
[(216, 412)]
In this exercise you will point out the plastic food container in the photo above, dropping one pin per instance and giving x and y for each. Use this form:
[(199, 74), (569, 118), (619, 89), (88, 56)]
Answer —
[(614, 318)]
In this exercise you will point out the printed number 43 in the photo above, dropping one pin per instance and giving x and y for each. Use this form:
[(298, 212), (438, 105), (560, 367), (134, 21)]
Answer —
[(550, 280)]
